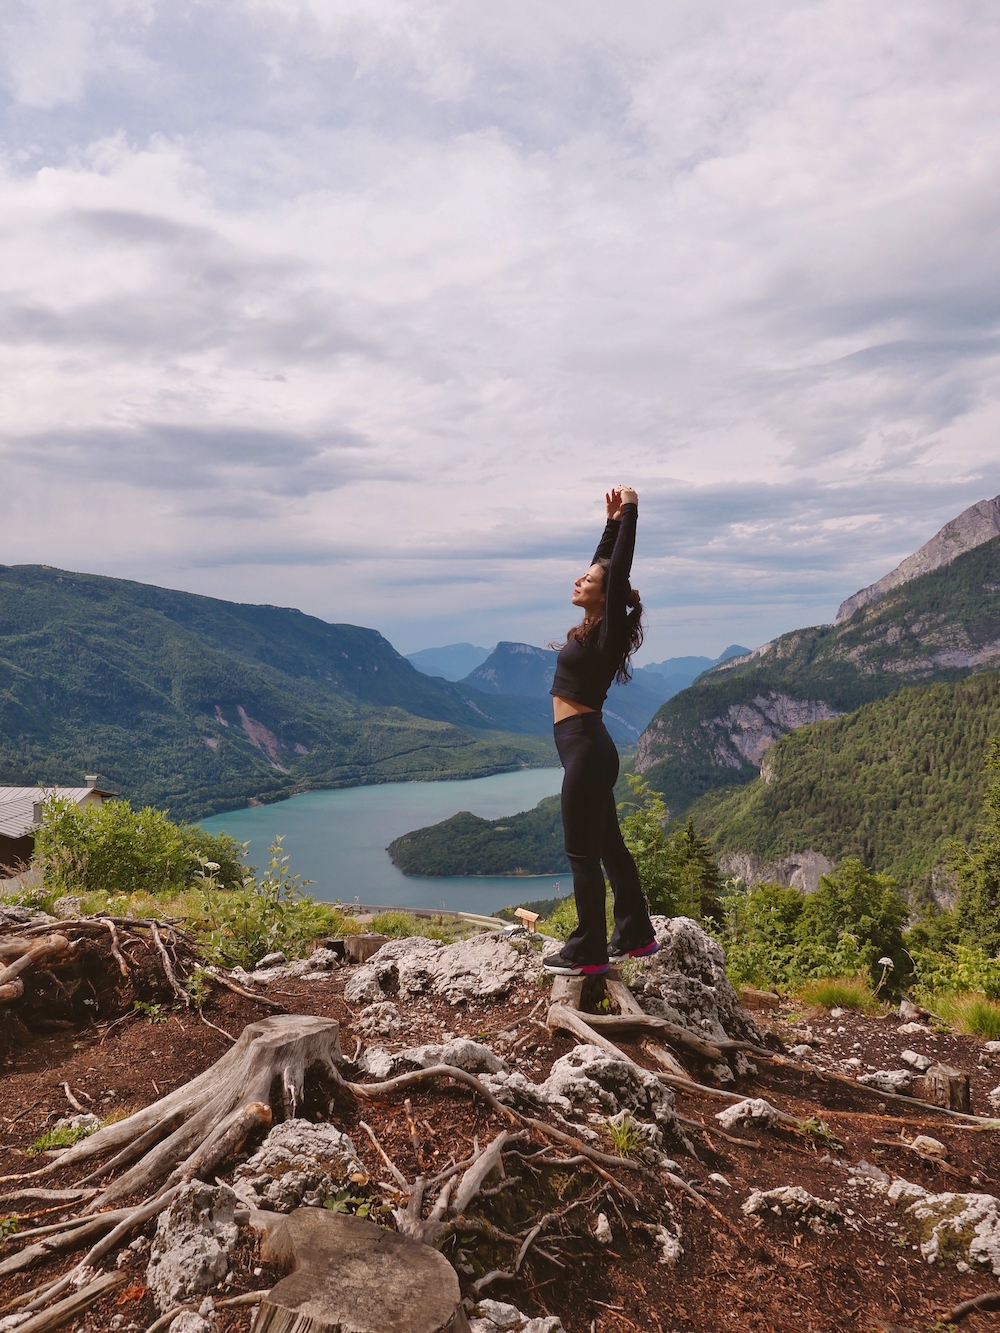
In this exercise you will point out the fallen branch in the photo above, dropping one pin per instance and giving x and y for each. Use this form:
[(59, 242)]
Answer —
[(216, 976), (168, 969), (662, 1027), (372, 1091), (69, 1308), (400, 1178), (989, 1300), (116, 952), (230, 1303)]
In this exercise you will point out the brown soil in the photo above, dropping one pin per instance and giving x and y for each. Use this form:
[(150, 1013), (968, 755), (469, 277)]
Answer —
[(767, 1276)]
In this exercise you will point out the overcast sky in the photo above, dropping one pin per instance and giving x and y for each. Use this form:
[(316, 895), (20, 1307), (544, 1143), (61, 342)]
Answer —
[(359, 305)]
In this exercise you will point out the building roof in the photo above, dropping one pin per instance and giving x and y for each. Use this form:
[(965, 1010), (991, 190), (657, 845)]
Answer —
[(17, 805)]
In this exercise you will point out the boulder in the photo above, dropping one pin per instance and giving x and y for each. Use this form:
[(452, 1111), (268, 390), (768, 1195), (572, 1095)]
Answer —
[(686, 983), (916, 1061), (482, 967), (794, 1202), (463, 1053), (964, 1227), (380, 1019), (194, 1238), (298, 1163), (754, 1111), (498, 1317), (888, 1080)]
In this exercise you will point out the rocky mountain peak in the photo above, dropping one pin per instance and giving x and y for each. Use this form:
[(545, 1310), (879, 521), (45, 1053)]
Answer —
[(978, 524)]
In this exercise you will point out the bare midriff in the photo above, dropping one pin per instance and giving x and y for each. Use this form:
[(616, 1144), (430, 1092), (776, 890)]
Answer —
[(563, 708)]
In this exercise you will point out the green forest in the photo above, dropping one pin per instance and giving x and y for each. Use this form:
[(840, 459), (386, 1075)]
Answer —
[(197, 705), (891, 783), (530, 843), (943, 626)]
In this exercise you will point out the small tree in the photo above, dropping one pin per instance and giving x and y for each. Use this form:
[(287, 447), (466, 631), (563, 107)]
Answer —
[(677, 871), (977, 869), (859, 905)]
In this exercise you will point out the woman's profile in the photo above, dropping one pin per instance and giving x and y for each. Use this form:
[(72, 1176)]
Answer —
[(598, 651)]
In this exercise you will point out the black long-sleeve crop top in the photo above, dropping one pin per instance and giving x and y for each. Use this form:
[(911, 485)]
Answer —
[(584, 671)]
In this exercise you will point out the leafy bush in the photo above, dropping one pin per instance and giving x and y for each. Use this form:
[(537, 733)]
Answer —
[(263, 916), (399, 925), (774, 936), (839, 993), (957, 969), (114, 849), (677, 870), (970, 1013)]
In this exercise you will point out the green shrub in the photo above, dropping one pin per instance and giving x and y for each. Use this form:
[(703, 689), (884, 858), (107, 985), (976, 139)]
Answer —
[(974, 1014), (957, 969), (59, 1138), (677, 870), (114, 849), (9, 1226), (839, 993), (625, 1134), (397, 924), (977, 869), (263, 916)]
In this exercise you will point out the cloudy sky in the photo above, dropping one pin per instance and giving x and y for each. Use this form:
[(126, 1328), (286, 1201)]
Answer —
[(358, 305)]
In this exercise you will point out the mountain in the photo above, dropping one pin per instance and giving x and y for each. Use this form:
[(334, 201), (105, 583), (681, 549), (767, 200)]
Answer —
[(890, 783), (529, 843), (522, 671), (453, 661), (939, 625), (679, 672), (976, 525), (200, 705)]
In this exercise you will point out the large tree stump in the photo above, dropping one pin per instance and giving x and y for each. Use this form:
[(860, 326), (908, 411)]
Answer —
[(188, 1132), (347, 1275), (943, 1086)]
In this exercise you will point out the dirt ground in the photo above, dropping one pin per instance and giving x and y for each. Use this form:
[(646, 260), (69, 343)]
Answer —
[(736, 1273)]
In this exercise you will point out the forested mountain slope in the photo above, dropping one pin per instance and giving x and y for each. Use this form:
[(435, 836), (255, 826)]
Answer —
[(943, 625), (890, 783), (529, 843), (199, 705)]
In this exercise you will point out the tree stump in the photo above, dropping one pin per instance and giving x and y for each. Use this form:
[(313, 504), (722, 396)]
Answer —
[(359, 948), (347, 1275), (944, 1086), (188, 1132)]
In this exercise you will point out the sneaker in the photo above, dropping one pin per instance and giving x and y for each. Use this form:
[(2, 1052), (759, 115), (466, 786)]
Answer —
[(556, 963), (617, 952)]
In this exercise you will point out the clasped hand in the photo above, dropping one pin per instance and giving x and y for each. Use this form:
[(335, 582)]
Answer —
[(618, 496)]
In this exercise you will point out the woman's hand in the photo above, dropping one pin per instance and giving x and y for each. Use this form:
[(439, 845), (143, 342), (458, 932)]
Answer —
[(613, 499), (626, 495)]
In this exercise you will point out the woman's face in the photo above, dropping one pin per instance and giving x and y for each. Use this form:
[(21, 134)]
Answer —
[(588, 590)]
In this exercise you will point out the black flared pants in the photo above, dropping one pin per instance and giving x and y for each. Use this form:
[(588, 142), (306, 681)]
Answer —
[(592, 835)]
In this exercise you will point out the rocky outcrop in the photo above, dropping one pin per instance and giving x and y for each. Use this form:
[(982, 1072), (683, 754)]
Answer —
[(498, 1317), (686, 983), (298, 1163), (461, 1053), (978, 524), (743, 734), (194, 1238), (797, 870), (483, 967)]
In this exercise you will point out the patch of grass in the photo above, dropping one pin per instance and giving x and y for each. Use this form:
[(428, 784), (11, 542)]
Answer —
[(819, 1132), (400, 925), (59, 1138), (839, 993), (973, 1013), (625, 1134)]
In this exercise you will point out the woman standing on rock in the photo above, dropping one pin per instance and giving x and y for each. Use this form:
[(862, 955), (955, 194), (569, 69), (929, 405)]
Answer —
[(596, 652)]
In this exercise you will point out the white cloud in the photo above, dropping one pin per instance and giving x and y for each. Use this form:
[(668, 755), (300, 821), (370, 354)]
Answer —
[(359, 307)]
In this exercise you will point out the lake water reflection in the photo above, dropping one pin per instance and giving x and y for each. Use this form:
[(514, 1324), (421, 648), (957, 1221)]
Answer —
[(338, 838)]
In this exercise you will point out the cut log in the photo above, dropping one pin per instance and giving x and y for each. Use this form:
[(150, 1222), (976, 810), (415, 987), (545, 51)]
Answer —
[(943, 1086), (347, 1275), (173, 1138), (567, 990), (359, 948), (759, 999)]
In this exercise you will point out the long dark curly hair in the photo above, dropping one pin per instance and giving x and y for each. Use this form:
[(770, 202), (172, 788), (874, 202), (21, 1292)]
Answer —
[(590, 625)]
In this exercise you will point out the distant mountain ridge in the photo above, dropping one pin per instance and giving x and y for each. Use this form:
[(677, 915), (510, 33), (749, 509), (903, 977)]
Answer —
[(978, 524), (452, 662), (200, 705), (940, 625)]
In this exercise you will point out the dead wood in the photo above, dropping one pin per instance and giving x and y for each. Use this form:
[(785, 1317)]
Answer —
[(168, 968), (989, 1300), (43, 951), (184, 1132), (665, 1058), (217, 976), (230, 1303), (373, 1091), (69, 1236), (71, 1306)]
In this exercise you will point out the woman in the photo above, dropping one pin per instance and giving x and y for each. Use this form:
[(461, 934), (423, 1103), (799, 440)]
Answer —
[(596, 652)]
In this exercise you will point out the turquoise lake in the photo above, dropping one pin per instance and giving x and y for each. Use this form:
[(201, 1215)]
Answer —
[(338, 838)]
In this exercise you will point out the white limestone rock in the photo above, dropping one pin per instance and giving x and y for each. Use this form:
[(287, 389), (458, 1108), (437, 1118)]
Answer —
[(587, 1074), (913, 1029), (888, 1080), (482, 967), (498, 1317), (194, 1238), (189, 1321), (91, 1123), (686, 983), (471, 1056), (794, 1202), (916, 1061), (956, 1226), (298, 1163), (754, 1111), (802, 1051), (319, 961), (602, 1231), (669, 1245), (379, 1020)]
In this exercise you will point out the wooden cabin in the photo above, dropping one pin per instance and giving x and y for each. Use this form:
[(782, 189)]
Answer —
[(21, 813)]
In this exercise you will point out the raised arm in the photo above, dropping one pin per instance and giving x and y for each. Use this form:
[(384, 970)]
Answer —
[(616, 580), (606, 545)]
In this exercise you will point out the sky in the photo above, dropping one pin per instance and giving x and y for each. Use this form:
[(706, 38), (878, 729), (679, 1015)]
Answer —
[(361, 307)]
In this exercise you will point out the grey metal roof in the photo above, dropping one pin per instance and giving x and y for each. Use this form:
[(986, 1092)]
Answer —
[(17, 805)]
